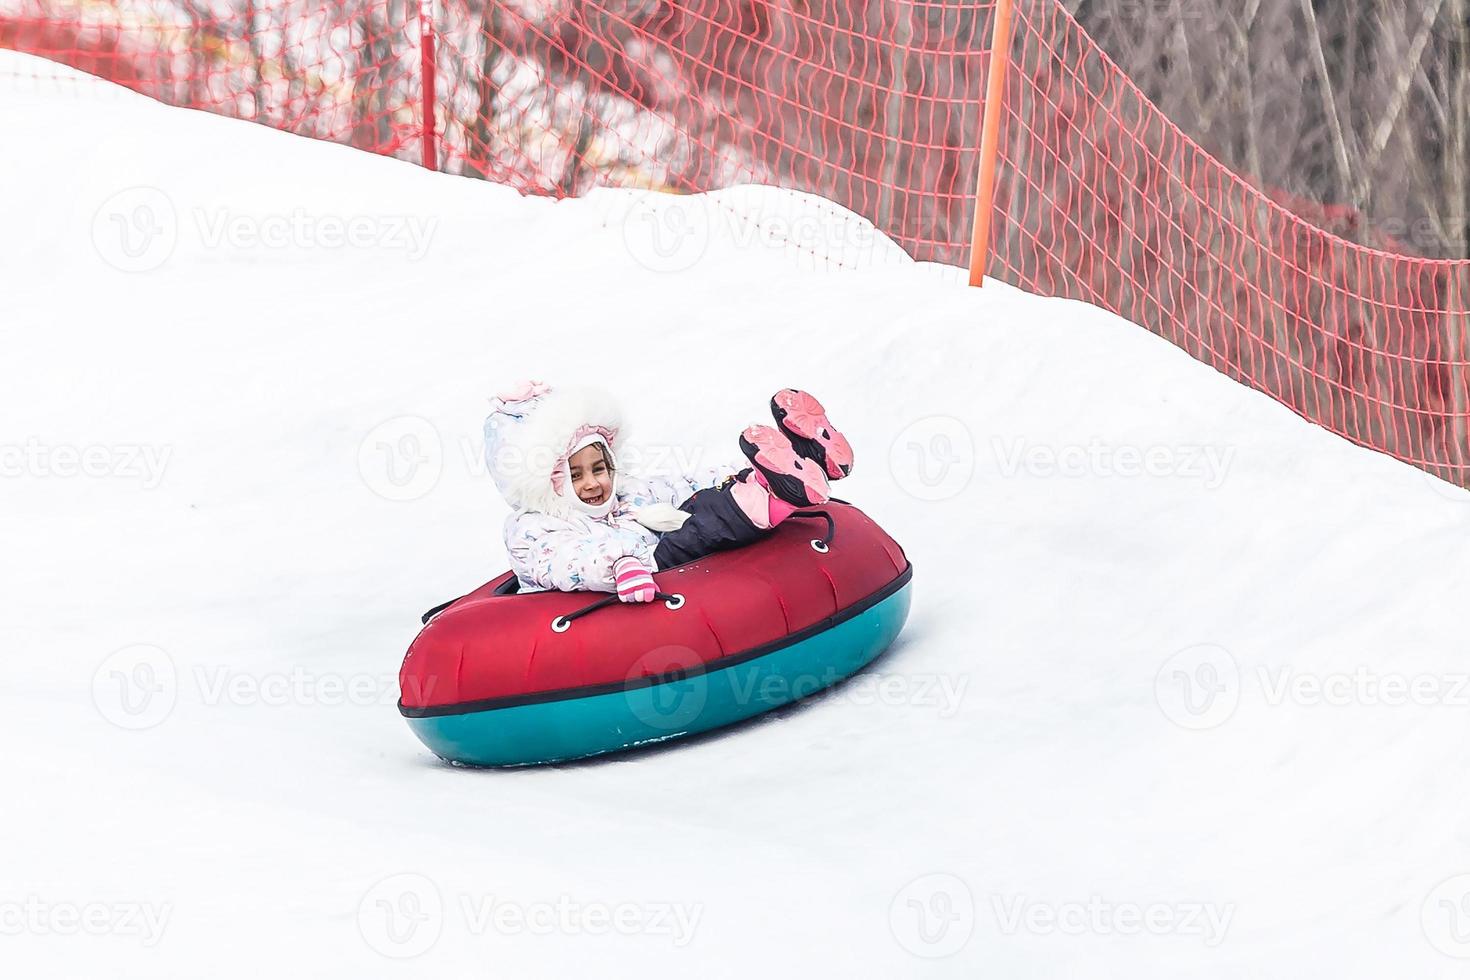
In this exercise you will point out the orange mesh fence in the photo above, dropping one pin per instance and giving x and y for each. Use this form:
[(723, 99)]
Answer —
[(1102, 198), (349, 73), (876, 106)]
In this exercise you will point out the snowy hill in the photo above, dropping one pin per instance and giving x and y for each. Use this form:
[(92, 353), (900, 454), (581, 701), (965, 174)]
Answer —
[(1184, 691)]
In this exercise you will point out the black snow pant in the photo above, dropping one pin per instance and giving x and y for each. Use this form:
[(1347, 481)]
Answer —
[(716, 523)]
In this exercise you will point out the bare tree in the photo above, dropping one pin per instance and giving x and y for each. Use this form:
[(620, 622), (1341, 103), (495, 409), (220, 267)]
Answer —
[(1362, 104)]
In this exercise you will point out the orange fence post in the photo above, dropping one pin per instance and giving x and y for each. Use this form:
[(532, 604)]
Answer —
[(995, 87), (430, 156)]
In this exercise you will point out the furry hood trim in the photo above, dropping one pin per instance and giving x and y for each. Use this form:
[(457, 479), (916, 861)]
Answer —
[(532, 429)]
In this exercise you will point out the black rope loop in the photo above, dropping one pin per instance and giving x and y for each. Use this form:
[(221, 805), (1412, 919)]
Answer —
[(564, 622), (823, 544)]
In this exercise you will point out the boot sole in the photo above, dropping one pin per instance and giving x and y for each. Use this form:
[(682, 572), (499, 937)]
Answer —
[(804, 437)]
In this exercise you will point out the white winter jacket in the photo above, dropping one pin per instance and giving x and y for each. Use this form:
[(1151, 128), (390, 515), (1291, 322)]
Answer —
[(553, 541), (576, 552)]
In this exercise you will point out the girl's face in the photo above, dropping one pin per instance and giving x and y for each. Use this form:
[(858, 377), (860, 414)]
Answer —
[(591, 476)]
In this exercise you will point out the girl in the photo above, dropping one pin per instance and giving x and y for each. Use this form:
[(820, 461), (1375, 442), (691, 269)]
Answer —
[(579, 523)]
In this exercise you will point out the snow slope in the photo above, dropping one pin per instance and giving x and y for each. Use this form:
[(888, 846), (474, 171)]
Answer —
[(1183, 691)]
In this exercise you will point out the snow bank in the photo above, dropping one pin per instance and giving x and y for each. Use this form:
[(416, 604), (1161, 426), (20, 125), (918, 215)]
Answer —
[(1182, 694)]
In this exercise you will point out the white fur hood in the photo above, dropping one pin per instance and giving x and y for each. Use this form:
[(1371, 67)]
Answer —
[(530, 430)]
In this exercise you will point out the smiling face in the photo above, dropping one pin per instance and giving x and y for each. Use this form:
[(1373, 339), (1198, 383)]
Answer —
[(591, 476)]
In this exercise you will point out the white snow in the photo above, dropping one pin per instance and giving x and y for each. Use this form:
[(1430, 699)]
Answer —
[(238, 462)]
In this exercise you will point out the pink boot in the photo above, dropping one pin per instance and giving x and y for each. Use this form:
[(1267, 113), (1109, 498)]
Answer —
[(792, 478), (804, 421), (755, 500)]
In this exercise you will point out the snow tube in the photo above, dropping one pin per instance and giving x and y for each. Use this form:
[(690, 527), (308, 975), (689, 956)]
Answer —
[(500, 679)]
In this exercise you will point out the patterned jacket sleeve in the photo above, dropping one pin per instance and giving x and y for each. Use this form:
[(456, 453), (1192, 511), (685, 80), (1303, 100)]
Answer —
[(640, 492), (568, 558)]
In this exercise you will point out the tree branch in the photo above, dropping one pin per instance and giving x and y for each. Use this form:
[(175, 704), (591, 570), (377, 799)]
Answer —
[(1408, 69), (1329, 103)]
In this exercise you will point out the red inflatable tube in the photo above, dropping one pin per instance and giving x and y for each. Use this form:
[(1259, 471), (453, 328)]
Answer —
[(490, 649)]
